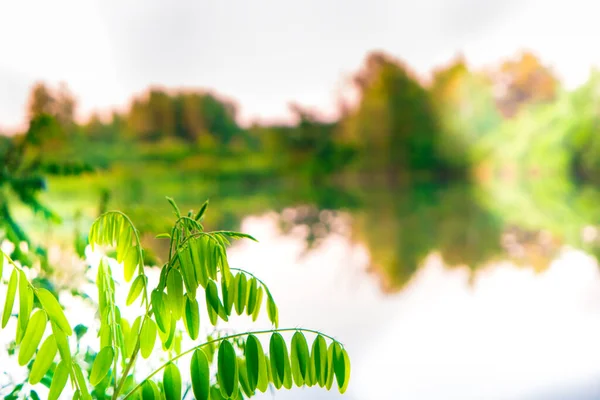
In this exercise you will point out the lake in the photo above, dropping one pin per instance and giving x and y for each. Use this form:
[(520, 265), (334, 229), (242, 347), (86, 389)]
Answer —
[(445, 291)]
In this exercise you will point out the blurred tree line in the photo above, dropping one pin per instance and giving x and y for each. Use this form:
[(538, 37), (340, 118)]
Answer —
[(513, 121), (508, 118)]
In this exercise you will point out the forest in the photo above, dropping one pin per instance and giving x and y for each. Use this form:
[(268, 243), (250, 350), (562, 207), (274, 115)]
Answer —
[(508, 145), (456, 124)]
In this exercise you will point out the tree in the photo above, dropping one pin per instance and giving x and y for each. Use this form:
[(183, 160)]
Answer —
[(466, 110), (27, 159), (521, 81), (41, 101), (152, 116), (59, 104), (187, 115), (394, 125), (65, 106)]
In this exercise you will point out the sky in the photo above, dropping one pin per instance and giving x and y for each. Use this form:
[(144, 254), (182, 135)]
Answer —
[(265, 54)]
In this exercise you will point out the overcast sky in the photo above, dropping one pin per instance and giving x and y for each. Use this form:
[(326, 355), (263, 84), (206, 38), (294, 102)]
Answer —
[(267, 53)]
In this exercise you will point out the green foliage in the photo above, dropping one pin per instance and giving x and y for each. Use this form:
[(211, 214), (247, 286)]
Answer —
[(197, 262), (394, 124), (465, 106), (194, 117), (26, 161), (200, 374)]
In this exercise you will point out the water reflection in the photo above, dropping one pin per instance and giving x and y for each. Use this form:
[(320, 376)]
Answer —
[(466, 225), (451, 291), (504, 333)]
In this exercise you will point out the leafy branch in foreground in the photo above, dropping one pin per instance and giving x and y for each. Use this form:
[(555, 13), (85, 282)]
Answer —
[(197, 272)]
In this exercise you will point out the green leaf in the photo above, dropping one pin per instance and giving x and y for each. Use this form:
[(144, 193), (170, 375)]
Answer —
[(105, 333), (201, 211), (287, 378), (273, 377), (252, 296), (161, 313), (54, 310), (131, 338), (175, 208), (263, 373), (200, 375), (124, 243), (245, 385), (80, 381), (198, 266), (339, 364), (212, 299), (215, 394), (241, 294), (212, 315), (187, 271), (330, 367), (300, 358), (207, 254), (346, 379), (237, 235), (172, 382), (213, 259), (192, 318), (124, 330), (272, 311), (175, 293), (20, 331), (228, 290), (130, 263), (225, 270), (279, 358), (43, 360), (59, 380), (167, 337), (62, 342), (147, 337), (254, 360), (150, 391), (227, 372), (319, 359), (136, 289), (33, 336), (259, 296), (102, 364), (164, 235), (311, 378), (10, 297), (25, 301)]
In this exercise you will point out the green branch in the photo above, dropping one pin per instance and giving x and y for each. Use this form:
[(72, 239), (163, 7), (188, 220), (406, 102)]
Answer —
[(252, 275), (188, 351)]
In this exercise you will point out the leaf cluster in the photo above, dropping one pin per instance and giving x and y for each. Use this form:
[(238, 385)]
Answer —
[(197, 274)]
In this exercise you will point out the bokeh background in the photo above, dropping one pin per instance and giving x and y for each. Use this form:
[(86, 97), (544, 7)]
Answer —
[(423, 177)]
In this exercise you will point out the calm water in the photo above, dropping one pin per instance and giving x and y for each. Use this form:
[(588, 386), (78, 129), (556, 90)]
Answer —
[(505, 333), (438, 292)]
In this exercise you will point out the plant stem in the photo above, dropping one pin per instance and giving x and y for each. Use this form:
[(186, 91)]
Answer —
[(219, 340), (131, 362), (252, 275), (127, 369)]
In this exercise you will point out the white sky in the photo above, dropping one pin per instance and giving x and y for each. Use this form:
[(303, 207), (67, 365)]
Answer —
[(267, 53)]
